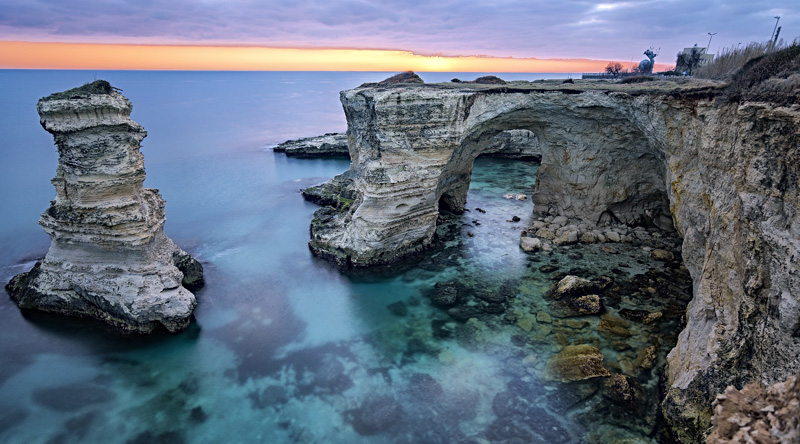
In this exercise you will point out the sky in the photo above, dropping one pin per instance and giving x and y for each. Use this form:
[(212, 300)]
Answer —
[(429, 35)]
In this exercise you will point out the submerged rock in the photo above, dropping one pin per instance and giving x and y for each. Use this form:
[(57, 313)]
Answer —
[(620, 388), (444, 294), (109, 258), (576, 363), (376, 415), (572, 286)]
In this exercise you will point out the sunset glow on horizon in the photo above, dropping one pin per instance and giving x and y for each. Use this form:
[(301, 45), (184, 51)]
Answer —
[(42, 55)]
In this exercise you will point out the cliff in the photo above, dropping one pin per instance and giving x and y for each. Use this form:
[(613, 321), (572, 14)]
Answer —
[(109, 258), (723, 173)]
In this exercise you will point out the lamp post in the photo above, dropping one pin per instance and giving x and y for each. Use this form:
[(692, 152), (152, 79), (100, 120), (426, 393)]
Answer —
[(710, 36), (777, 19)]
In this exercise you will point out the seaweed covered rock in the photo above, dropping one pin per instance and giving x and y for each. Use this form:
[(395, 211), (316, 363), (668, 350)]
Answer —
[(576, 363)]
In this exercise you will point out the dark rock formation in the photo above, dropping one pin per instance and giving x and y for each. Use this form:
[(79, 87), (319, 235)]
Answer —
[(403, 77), (109, 258), (326, 145)]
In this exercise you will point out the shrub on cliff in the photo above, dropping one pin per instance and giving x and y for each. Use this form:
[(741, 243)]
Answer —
[(490, 80), (96, 87), (772, 77), (403, 77), (637, 79), (730, 60)]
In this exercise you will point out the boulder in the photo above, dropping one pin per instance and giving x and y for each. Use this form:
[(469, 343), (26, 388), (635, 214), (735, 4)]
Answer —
[(576, 363), (662, 255), (572, 286), (620, 388), (545, 233), (567, 238), (444, 294), (613, 236), (530, 244)]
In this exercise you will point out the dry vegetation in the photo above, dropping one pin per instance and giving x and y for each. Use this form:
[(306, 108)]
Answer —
[(730, 60)]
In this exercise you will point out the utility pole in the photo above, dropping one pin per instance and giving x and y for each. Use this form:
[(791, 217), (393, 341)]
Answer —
[(710, 36)]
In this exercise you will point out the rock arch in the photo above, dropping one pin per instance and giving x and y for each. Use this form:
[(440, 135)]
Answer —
[(725, 174), (412, 151)]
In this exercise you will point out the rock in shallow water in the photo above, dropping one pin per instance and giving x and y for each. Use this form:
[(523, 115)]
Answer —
[(376, 415), (576, 363)]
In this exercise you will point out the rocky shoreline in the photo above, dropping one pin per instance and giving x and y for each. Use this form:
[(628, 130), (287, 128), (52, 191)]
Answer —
[(719, 169)]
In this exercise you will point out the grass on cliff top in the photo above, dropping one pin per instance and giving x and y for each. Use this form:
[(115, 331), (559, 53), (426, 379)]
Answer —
[(96, 87), (663, 85), (757, 72)]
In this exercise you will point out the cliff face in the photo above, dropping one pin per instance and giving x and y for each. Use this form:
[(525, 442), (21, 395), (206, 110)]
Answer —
[(725, 175), (109, 258)]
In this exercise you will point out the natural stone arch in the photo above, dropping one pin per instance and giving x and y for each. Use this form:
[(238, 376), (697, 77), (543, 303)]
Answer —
[(728, 169), (573, 180), (412, 150)]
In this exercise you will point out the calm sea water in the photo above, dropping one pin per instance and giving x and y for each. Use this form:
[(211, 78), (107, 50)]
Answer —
[(286, 348)]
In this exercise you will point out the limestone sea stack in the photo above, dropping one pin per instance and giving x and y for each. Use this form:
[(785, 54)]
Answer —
[(109, 258)]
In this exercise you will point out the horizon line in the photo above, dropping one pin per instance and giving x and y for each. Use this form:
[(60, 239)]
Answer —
[(168, 57)]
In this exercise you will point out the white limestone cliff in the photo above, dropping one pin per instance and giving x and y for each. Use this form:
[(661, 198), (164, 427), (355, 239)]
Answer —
[(723, 172)]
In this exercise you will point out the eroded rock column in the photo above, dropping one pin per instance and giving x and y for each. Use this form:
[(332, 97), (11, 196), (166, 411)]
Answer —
[(109, 258)]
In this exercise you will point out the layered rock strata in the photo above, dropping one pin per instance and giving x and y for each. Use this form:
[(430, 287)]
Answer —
[(326, 145), (109, 258), (513, 144), (724, 173)]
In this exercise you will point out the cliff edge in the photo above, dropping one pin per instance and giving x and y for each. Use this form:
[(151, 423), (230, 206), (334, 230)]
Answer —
[(109, 258)]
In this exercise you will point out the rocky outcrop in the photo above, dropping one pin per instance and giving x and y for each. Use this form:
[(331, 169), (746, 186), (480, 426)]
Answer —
[(326, 145), (758, 415), (513, 144), (109, 258), (723, 173)]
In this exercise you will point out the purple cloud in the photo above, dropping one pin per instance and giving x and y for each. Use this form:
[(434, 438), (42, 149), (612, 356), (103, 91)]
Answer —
[(571, 28)]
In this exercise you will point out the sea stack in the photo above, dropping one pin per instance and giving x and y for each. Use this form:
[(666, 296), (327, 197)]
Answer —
[(109, 258)]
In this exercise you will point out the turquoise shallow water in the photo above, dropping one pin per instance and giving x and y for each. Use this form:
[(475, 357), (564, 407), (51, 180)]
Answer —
[(286, 348)]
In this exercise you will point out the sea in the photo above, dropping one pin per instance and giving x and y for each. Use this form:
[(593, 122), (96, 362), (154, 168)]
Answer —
[(285, 347)]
